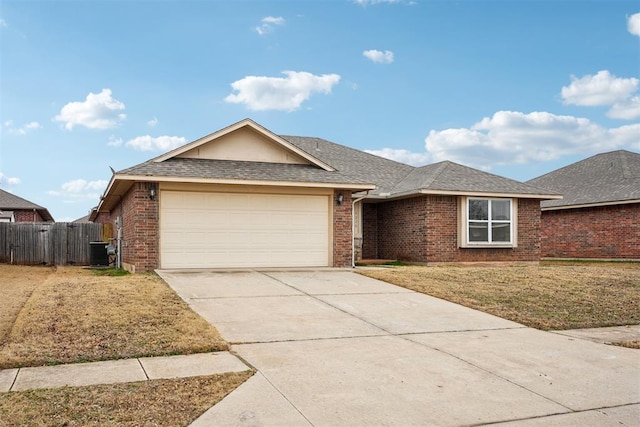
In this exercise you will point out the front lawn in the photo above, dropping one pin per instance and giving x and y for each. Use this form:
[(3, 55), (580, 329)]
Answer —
[(174, 402), (70, 314), (550, 296), (58, 315)]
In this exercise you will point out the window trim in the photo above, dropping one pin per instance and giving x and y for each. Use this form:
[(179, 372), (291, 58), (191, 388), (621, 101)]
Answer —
[(463, 234)]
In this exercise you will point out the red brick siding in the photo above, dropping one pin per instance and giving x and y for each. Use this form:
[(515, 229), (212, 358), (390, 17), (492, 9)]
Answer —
[(608, 232), (140, 228), (369, 231), (27, 216), (425, 229), (402, 229), (342, 230), (442, 230)]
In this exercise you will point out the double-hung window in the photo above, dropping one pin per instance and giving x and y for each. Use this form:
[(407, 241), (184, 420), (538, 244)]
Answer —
[(489, 221)]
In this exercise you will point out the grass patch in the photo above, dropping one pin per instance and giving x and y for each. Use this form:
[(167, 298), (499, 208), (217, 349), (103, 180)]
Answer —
[(72, 315), (112, 272), (551, 296), (173, 402)]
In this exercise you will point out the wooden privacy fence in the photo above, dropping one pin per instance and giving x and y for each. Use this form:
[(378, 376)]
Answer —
[(58, 243)]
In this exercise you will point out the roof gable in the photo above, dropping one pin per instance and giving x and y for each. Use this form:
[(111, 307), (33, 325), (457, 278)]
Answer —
[(606, 178), (248, 142)]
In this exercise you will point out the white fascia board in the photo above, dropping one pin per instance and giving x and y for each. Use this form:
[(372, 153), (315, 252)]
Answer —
[(151, 178), (591, 205), (387, 196)]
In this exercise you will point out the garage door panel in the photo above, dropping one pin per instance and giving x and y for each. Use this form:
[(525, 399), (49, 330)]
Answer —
[(219, 230)]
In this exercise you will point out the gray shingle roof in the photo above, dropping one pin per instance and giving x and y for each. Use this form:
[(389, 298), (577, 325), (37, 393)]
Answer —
[(384, 173), (10, 201), (351, 167), (449, 176), (241, 170), (604, 178)]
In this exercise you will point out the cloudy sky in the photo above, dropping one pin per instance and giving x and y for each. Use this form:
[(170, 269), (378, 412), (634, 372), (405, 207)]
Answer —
[(518, 88)]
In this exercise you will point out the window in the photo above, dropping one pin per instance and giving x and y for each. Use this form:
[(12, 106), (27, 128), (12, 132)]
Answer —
[(489, 222)]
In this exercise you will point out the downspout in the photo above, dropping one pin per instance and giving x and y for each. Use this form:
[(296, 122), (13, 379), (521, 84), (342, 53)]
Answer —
[(353, 229)]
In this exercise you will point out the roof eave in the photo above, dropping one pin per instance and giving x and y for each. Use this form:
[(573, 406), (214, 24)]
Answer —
[(404, 194), (591, 205), (120, 184)]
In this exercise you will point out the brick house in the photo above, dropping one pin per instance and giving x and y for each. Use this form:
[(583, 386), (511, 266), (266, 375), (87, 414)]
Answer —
[(244, 197), (599, 215), (17, 209)]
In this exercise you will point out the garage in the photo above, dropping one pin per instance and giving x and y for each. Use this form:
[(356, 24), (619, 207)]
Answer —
[(243, 230)]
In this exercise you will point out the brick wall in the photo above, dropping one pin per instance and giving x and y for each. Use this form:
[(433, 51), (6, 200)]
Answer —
[(425, 229), (608, 232), (402, 229), (140, 228), (370, 231), (342, 230), (27, 216)]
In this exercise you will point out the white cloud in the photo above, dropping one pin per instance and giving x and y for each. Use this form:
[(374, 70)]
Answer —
[(22, 130), (3, 23), (260, 93), (626, 110), (153, 122), (98, 111), (8, 180), (511, 137), (160, 143), (601, 89), (633, 24), (268, 24), (604, 89), (114, 141), (378, 56), (402, 156), (80, 189)]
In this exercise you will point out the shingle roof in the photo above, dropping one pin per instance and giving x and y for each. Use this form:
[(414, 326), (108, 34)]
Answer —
[(384, 173), (605, 178), (10, 201), (351, 166), (241, 170), (449, 176)]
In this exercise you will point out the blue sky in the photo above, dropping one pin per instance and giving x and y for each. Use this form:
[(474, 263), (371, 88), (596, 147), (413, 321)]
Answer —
[(517, 88)]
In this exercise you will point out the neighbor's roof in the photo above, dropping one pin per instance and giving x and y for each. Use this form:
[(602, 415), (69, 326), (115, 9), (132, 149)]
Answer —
[(603, 179), (10, 201)]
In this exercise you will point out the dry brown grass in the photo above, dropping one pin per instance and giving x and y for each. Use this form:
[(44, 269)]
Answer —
[(74, 315), (629, 344), (550, 296), (17, 283), (175, 402)]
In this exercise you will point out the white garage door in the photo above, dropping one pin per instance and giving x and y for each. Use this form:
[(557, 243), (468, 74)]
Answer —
[(222, 230)]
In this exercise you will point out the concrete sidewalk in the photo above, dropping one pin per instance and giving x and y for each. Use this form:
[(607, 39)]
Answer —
[(120, 371)]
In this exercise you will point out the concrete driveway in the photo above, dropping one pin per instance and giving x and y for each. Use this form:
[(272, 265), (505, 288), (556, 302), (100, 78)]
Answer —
[(333, 348)]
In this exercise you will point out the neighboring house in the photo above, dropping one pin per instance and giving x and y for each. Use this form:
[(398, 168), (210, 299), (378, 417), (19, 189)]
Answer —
[(17, 209), (599, 215), (246, 197), (84, 219)]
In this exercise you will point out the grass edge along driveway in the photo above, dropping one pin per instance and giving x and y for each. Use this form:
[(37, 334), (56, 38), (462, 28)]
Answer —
[(549, 296)]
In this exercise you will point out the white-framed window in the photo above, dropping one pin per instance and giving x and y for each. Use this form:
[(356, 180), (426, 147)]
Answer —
[(489, 222)]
